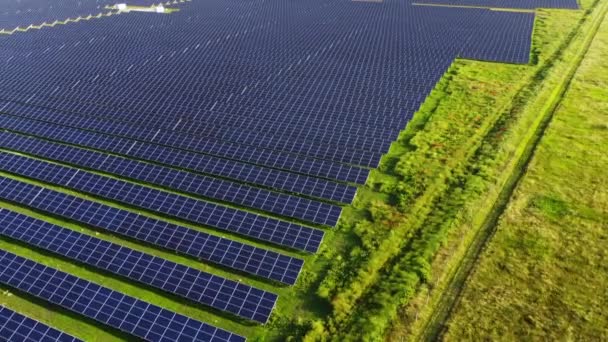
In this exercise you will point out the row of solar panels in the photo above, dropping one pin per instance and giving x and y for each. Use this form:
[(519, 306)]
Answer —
[(111, 308), (200, 212), (225, 90), (226, 149), (224, 252), (190, 162), (256, 131), (200, 287), (98, 86), (181, 207), (87, 89), (194, 135), (198, 185), (182, 155)]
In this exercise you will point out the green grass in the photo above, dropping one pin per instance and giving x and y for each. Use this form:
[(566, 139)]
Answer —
[(543, 275)]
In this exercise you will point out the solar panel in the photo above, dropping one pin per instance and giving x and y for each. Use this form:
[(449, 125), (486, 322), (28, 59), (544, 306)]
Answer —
[(302, 97), (204, 288), (513, 46), (205, 213), (133, 316), (281, 204), (200, 163), (16, 327), (266, 134), (278, 160), (232, 254), (286, 96)]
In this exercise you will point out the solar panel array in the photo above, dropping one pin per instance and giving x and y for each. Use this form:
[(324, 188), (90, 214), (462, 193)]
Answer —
[(205, 213), (216, 292), (18, 328), (183, 158), (213, 188), (272, 178), (133, 316), (222, 251), (256, 119)]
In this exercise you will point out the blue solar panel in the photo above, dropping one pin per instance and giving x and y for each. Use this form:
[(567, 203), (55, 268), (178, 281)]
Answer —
[(217, 292), (368, 137), (18, 328), (266, 134), (221, 251), (200, 163), (205, 213), (281, 204), (255, 152), (133, 316), (513, 47)]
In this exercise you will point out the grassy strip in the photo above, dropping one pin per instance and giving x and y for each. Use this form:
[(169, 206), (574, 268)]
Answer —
[(449, 292), (545, 267), (372, 305)]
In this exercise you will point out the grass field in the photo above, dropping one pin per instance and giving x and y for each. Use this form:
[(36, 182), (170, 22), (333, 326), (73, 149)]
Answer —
[(543, 276)]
